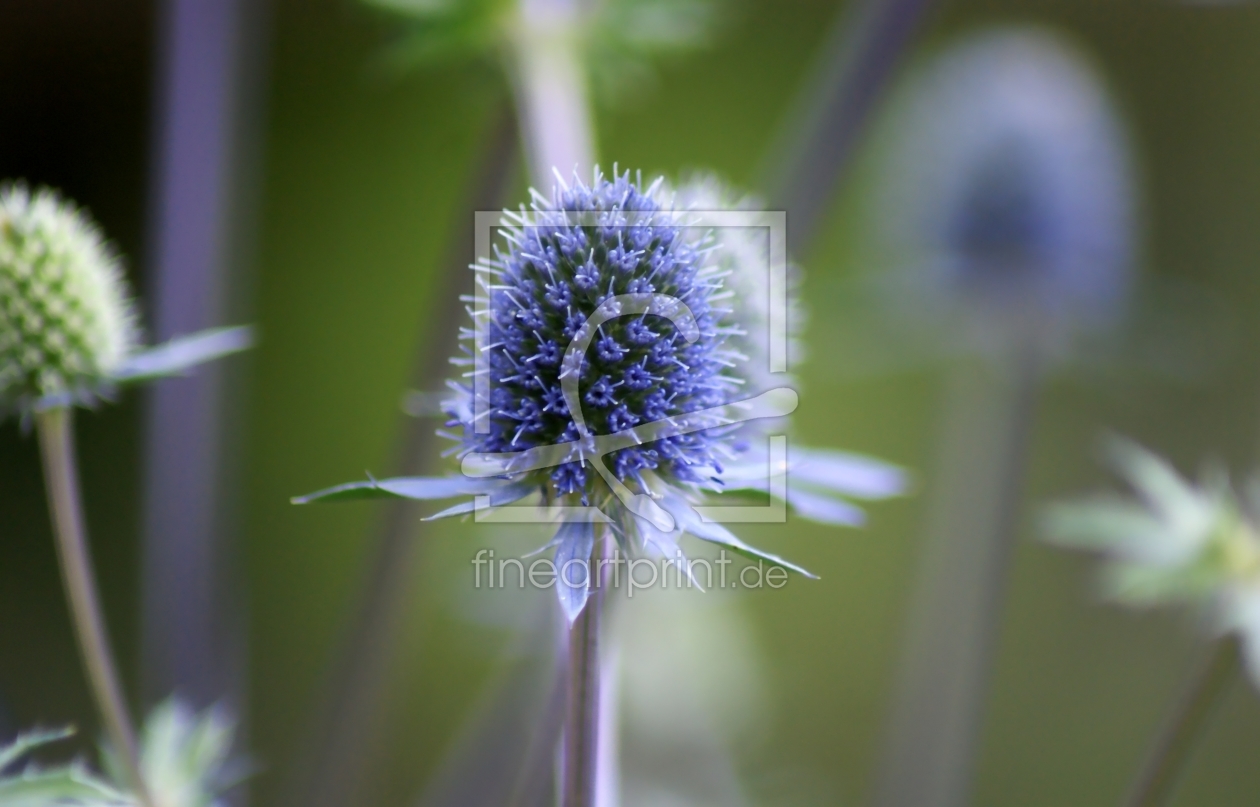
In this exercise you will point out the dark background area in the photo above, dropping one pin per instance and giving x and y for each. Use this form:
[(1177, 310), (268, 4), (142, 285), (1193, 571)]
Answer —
[(363, 173)]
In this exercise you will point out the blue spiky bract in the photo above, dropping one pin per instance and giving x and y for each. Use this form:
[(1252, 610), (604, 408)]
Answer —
[(556, 268)]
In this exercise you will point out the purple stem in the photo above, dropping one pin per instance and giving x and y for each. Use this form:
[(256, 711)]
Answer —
[(191, 643)]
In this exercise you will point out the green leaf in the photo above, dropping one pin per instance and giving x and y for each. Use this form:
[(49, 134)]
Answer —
[(67, 785), (40, 787), (28, 741), (183, 353), (444, 30), (624, 37), (185, 759)]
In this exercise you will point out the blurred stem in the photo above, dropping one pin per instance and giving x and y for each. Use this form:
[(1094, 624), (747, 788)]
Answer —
[(206, 150), (581, 734), (608, 769), (515, 728), (823, 131), (955, 617), (1183, 726), (56, 441), (550, 90), (535, 785)]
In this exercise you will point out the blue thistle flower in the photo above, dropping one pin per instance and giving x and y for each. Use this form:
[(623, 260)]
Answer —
[(564, 260), (603, 369)]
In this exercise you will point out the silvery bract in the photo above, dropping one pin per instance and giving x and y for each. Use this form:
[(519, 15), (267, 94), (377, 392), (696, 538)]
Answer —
[(742, 254), (1178, 543)]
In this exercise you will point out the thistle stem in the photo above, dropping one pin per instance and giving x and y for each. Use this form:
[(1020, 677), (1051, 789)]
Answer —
[(550, 90), (1183, 726), (581, 735), (937, 713), (56, 442)]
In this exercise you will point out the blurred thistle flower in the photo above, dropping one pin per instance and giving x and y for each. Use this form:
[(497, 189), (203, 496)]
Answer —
[(186, 756), (1007, 212), (186, 759), (1179, 543), (68, 333), (617, 37), (605, 299), (1009, 194), (743, 256)]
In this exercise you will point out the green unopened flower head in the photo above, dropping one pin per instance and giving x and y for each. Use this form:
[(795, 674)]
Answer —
[(66, 321)]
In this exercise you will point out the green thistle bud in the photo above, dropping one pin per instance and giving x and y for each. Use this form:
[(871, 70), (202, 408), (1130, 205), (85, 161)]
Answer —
[(66, 322)]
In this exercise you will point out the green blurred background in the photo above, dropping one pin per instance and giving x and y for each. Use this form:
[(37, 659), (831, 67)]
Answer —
[(365, 171)]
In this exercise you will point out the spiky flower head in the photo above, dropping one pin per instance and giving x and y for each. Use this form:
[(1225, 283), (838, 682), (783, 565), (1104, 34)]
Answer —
[(610, 243), (1181, 543), (605, 366), (66, 322)]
